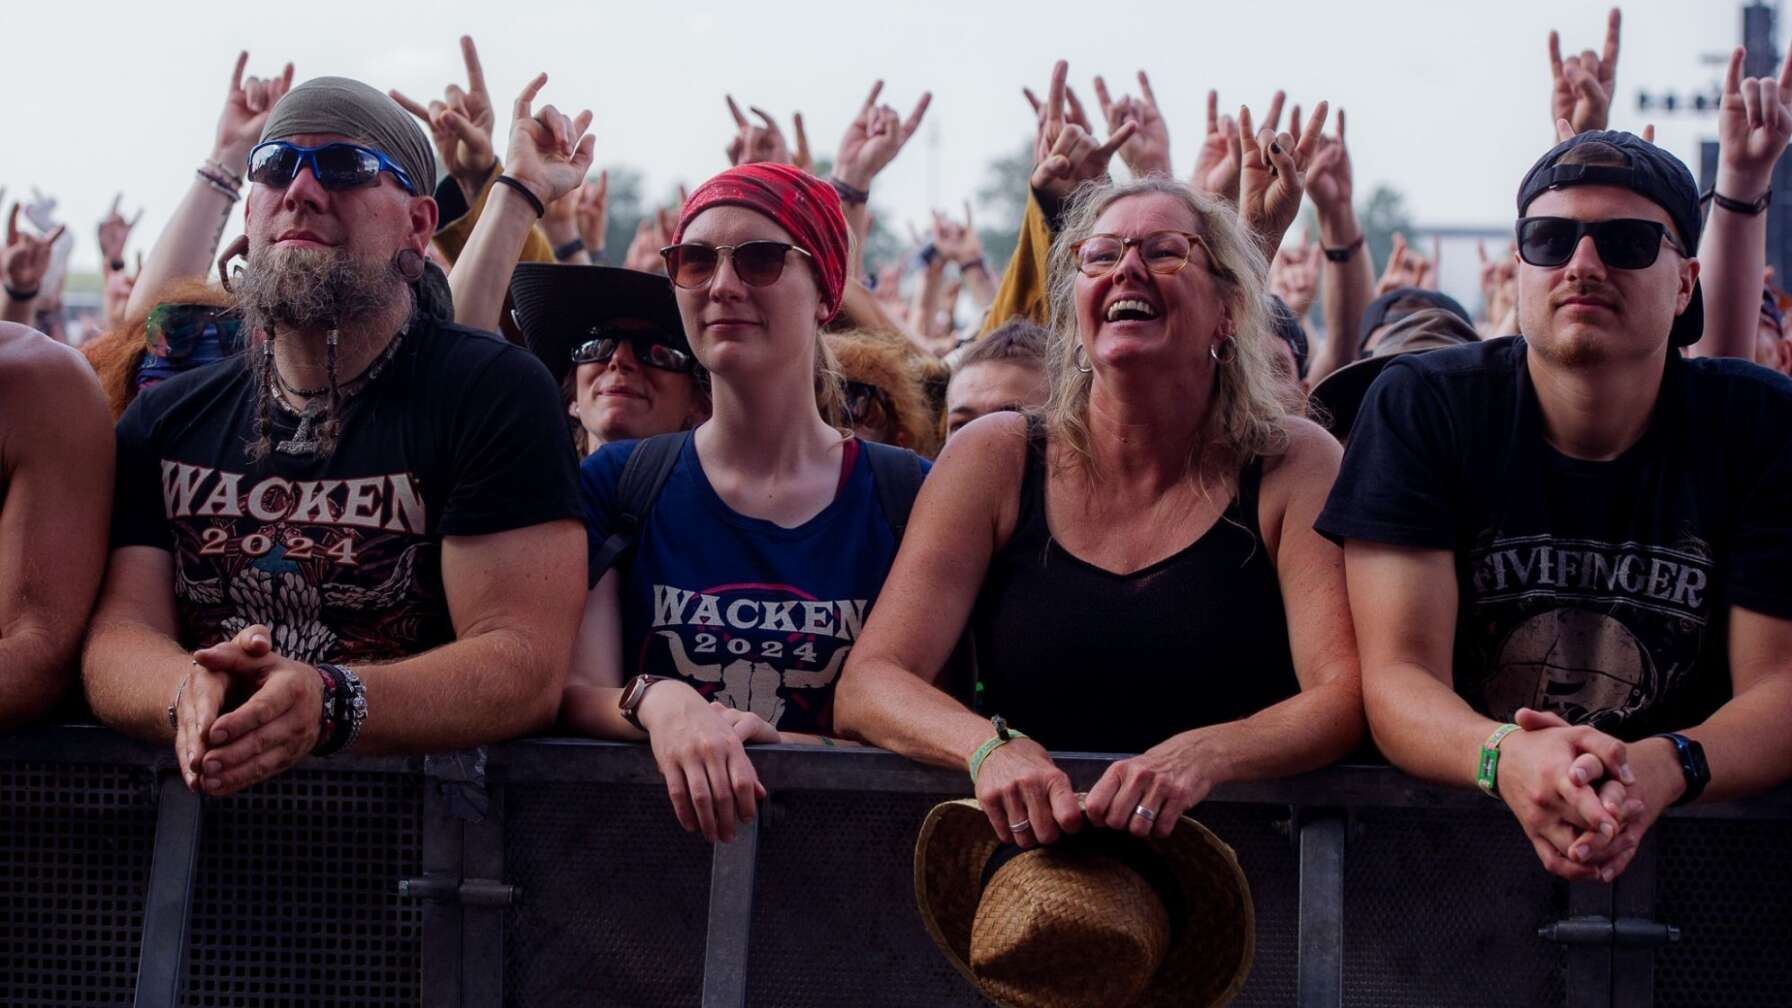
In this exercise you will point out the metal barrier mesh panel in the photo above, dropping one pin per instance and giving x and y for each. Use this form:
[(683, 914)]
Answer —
[(1728, 885), (296, 899), (614, 900), (834, 917), (75, 842), (1442, 908)]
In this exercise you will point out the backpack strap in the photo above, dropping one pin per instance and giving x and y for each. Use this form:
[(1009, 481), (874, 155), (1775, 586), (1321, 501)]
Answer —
[(645, 472), (897, 473)]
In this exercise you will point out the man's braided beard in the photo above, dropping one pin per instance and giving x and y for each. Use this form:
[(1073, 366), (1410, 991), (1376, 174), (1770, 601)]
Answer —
[(311, 289)]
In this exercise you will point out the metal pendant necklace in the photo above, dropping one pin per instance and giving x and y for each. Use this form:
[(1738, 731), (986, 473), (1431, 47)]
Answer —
[(304, 440)]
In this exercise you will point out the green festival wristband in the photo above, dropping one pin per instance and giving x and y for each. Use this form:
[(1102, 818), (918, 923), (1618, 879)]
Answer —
[(1487, 775), (995, 742)]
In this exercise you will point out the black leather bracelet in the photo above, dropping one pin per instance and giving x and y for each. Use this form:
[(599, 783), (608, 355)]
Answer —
[(534, 200), (570, 249), (117, 265), (19, 295), (1343, 254), (1736, 205), (847, 193), (335, 726), (972, 264)]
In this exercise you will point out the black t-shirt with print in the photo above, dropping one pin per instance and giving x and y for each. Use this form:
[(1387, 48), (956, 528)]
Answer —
[(459, 435), (1597, 590)]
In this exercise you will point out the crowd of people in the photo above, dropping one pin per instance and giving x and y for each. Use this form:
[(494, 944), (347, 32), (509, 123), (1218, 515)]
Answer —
[(339, 483)]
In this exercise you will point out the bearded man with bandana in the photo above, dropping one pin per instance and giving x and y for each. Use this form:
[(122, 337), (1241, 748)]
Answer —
[(355, 532)]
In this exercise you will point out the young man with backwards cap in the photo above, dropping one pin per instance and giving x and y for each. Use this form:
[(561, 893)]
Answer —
[(362, 522), (1566, 550)]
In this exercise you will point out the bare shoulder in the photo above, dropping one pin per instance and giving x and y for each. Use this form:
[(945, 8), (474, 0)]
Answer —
[(995, 441), (980, 471), (1312, 457), (29, 359), (48, 390)]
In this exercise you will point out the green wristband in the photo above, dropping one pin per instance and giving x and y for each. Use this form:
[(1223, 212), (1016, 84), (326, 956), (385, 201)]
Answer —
[(995, 742), (1488, 774)]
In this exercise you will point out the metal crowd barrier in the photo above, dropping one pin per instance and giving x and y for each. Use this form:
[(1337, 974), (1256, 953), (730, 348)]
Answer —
[(551, 872)]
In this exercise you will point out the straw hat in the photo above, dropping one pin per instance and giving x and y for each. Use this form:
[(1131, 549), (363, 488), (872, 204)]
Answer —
[(1100, 918)]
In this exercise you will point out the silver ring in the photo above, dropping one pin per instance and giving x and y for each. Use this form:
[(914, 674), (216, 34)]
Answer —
[(1144, 813), (1020, 827)]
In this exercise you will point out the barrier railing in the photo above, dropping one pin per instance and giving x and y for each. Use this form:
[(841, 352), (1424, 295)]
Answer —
[(547, 872)]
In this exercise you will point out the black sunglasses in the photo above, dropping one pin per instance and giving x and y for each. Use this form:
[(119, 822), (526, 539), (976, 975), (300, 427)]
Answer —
[(336, 166), (758, 263), (1625, 243), (646, 346)]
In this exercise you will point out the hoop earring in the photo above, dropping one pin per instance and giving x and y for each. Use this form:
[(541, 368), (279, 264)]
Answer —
[(1081, 360), (1227, 358)]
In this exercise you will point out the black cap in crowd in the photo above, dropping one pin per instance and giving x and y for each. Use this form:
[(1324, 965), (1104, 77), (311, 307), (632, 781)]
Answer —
[(1650, 172), (1380, 312), (1289, 329)]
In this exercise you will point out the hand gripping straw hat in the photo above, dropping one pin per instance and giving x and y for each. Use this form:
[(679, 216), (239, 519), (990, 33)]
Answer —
[(1100, 919)]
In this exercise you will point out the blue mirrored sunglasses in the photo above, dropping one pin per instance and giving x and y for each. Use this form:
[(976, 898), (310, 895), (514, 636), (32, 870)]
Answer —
[(336, 166)]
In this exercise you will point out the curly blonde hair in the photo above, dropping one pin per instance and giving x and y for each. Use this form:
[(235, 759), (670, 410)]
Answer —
[(1250, 406)]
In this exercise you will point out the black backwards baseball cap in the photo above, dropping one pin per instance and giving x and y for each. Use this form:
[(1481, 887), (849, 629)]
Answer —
[(1650, 172)]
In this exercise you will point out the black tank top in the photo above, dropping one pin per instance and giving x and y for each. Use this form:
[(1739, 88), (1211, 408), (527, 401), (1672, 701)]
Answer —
[(1085, 660)]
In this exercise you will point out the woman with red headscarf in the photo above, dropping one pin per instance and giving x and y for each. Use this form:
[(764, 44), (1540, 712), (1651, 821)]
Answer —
[(750, 571)]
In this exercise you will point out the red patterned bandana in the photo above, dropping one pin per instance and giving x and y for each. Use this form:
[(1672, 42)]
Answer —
[(799, 202)]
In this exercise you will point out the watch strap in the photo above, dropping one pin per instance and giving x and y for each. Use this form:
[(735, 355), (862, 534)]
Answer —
[(632, 695), (1692, 765), (1487, 771)]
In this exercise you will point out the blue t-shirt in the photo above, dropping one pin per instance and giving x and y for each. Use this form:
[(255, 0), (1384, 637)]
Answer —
[(745, 611)]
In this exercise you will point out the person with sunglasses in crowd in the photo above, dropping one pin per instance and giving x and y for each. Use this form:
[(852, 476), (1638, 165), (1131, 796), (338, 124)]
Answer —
[(1566, 550), (757, 550), (356, 529), (886, 399), (613, 340), (1137, 566)]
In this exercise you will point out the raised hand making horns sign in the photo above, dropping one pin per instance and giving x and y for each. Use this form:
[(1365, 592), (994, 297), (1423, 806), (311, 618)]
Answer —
[(1065, 153), (874, 138), (1148, 151), (461, 124), (1272, 164), (766, 143), (548, 153), (1582, 91)]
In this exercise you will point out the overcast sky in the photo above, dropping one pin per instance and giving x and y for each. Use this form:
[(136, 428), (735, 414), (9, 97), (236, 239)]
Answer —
[(1448, 101)]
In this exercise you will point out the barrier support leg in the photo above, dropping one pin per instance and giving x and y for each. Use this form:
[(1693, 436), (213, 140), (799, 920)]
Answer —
[(161, 964), (1319, 975), (730, 918)]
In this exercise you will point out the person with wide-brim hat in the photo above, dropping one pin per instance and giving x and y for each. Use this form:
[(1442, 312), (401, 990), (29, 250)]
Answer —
[(613, 340), (1335, 400), (1101, 918)]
